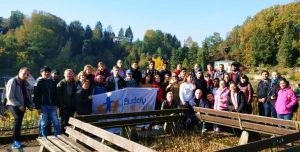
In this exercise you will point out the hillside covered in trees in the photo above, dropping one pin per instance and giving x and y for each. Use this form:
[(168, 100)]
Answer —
[(271, 37)]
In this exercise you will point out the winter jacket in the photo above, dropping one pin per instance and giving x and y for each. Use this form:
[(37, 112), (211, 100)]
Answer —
[(63, 98), (110, 83), (45, 93), (105, 73), (202, 102), (235, 76), (136, 75), (248, 92), (241, 101), (160, 92), (165, 105), (286, 99), (83, 103), (221, 99), (263, 89), (98, 88), (14, 93)]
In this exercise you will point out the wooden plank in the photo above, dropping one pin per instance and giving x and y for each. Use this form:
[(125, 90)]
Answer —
[(108, 136), (75, 145), (48, 145), (272, 130), (248, 117), (264, 144), (94, 118), (61, 144), (138, 121), (89, 141)]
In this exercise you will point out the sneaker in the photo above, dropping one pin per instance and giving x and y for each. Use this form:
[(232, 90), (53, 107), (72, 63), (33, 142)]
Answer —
[(203, 130), (157, 127), (16, 145)]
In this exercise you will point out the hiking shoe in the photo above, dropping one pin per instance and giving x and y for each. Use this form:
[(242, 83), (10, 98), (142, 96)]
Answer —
[(16, 145)]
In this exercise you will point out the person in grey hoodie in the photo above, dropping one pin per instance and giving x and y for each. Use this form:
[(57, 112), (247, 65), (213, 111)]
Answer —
[(18, 97)]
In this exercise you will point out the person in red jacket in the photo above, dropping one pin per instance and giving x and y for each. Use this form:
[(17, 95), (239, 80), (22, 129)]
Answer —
[(160, 91)]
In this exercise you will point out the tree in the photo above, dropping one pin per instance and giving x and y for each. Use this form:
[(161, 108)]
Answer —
[(263, 47), (285, 55), (129, 34), (121, 33), (15, 19), (88, 33), (76, 32)]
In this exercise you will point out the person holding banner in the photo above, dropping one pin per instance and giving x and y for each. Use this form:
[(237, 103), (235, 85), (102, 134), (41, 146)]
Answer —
[(115, 81), (160, 91), (83, 99)]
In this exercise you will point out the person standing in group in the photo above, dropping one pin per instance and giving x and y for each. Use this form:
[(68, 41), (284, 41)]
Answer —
[(102, 70), (237, 99), (66, 90), (122, 70), (130, 82), (83, 99), (160, 91), (18, 97), (221, 100), (165, 70), (186, 91), (235, 72), (115, 81), (173, 87), (246, 87), (146, 82), (151, 70), (263, 92), (221, 72), (269, 106), (178, 69), (88, 71), (286, 99), (136, 73), (212, 73), (46, 101)]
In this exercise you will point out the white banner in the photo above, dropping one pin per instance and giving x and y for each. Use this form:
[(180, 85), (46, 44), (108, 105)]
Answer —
[(125, 100)]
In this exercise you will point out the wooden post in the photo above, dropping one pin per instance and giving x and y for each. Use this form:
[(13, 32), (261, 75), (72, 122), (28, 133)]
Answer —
[(244, 139)]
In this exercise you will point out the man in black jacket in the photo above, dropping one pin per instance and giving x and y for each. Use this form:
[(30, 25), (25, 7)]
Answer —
[(115, 81), (45, 99), (136, 73), (263, 92), (66, 90)]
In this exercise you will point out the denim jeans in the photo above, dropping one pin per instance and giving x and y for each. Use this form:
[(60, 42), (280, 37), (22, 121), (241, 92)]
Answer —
[(65, 113), (269, 110), (284, 116), (18, 118), (49, 112)]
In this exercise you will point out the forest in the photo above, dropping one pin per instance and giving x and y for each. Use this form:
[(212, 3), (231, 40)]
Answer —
[(271, 37)]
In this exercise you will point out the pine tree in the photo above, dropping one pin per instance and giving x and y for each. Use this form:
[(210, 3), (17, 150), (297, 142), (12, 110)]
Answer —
[(286, 51)]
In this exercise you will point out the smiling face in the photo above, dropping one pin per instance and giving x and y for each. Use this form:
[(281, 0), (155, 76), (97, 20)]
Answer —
[(282, 84), (23, 74), (265, 75)]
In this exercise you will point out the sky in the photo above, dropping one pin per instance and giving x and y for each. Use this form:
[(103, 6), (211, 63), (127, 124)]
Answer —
[(183, 18)]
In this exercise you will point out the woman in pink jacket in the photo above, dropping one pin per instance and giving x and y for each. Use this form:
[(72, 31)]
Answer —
[(221, 100), (286, 99)]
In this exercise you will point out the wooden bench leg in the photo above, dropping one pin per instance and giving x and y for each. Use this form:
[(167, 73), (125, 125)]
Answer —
[(43, 149)]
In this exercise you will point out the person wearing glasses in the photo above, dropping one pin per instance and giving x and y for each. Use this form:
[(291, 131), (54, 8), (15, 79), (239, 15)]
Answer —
[(18, 97), (173, 87)]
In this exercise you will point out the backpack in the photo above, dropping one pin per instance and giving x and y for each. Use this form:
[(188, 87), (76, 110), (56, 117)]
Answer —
[(3, 95), (296, 106)]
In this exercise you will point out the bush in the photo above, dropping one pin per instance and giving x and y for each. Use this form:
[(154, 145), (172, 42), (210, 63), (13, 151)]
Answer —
[(297, 76)]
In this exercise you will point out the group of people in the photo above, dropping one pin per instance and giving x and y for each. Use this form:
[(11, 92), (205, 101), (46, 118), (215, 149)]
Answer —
[(72, 95)]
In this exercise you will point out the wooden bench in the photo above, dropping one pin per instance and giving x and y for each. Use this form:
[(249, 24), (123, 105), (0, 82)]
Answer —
[(168, 117), (84, 137)]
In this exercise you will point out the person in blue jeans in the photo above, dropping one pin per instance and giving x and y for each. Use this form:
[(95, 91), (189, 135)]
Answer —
[(18, 97), (45, 99)]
